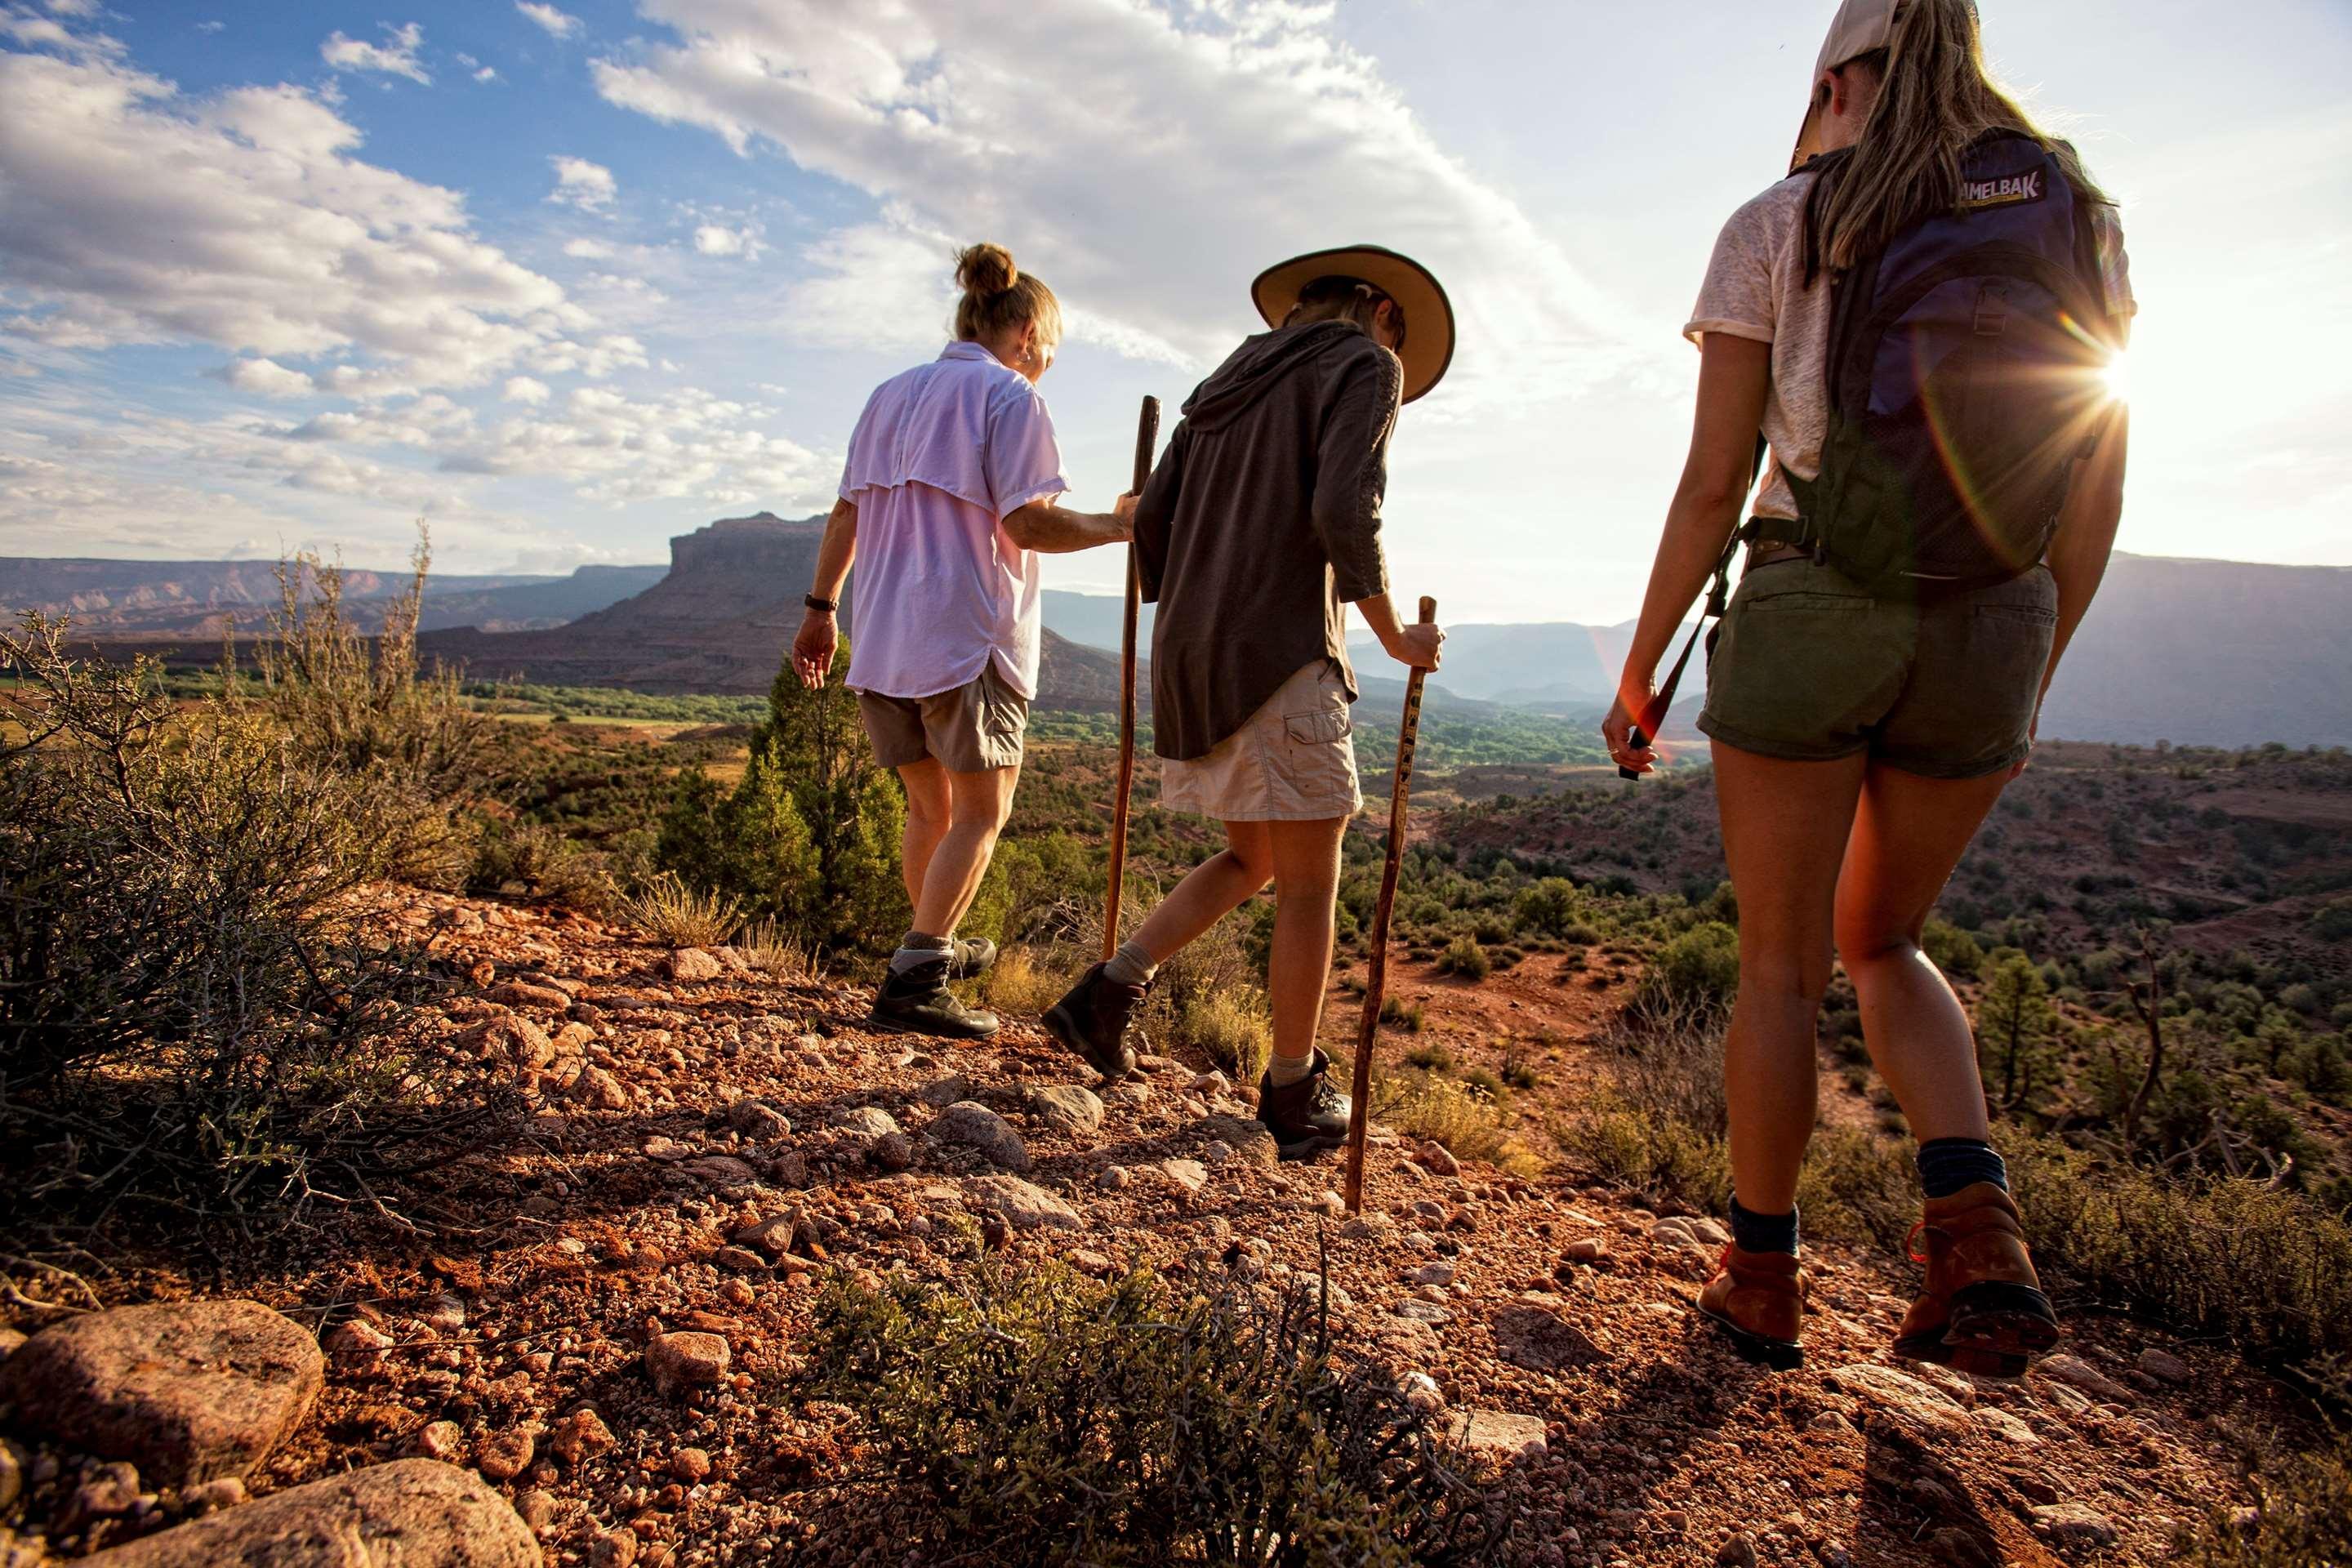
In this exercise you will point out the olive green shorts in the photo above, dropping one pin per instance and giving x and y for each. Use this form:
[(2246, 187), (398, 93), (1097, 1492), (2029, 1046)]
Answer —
[(971, 728), (1807, 666)]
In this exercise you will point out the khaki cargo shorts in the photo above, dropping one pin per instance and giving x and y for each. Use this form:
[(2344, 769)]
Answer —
[(1808, 667), (1294, 760), (975, 727)]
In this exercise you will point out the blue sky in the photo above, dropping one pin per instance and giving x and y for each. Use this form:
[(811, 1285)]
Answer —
[(566, 280)]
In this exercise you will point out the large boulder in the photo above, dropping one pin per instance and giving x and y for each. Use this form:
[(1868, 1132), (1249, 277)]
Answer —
[(412, 1513), (187, 1391)]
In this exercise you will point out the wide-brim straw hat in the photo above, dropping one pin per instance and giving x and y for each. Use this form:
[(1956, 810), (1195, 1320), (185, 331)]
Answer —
[(1428, 313)]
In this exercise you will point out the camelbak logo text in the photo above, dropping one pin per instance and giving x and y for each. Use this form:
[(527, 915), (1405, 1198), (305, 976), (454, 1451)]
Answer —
[(2003, 192)]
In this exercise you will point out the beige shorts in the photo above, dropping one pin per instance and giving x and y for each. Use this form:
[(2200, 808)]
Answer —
[(972, 729), (1291, 761)]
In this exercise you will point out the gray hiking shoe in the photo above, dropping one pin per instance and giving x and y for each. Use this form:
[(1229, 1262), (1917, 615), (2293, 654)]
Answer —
[(917, 1002), (974, 956)]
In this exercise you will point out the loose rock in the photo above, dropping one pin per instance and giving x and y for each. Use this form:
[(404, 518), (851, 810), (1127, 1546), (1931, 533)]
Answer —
[(186, 1390), (412, 1511), (684, 1360), (1023, 1206), (973, 1125), (1067, 1108), (1504, 1436), (692, 963)]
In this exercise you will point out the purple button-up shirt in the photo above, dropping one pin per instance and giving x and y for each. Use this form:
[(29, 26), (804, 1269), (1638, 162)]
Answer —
[(942, 454)]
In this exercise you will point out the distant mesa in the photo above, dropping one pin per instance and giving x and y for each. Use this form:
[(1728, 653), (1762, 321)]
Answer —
[(719, 621)]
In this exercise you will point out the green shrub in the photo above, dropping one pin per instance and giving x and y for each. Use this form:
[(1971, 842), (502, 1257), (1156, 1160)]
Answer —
[(1950, 949), (2333, 921), (1465, 957), (1035, 1416), (1405, 1015), (1698, 969), (1548, 907)]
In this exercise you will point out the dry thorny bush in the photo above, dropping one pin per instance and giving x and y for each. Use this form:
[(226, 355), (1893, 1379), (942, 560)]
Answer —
[(192, 1010)]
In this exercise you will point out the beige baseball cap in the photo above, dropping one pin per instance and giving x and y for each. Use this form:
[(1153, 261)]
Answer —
[(1859, 26)]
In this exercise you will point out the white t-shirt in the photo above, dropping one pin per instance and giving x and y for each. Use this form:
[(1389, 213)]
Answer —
[(1756, 287), (941, 456)]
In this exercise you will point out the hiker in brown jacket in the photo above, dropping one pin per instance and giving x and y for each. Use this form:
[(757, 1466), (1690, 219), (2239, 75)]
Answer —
[(1260, 524)]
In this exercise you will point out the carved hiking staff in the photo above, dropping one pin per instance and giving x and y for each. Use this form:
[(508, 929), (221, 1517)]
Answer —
[(1146, 438), (1376, 970)]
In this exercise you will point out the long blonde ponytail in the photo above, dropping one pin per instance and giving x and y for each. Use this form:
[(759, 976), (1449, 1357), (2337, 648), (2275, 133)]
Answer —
[(1935, 100)]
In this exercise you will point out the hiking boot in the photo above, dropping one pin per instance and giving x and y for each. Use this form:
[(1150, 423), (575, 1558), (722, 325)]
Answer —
[(1305, 1116), (1981, 1309), (1092, 1020), (1759, 1298), (974, 956), (917, 1002)]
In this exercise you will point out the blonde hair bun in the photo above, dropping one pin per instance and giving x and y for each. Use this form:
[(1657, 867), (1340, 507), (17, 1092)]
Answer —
[(985, 269)]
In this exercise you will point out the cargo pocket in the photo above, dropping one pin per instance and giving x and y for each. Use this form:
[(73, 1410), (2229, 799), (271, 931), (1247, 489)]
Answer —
[(1003, 719), (1318, 759)]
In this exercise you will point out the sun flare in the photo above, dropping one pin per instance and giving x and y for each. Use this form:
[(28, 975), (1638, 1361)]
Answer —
[(2116, 376)]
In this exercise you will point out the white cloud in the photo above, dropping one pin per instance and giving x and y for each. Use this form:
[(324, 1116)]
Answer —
[(524, 389), (397, 57), (211, 26), (613, 448), (581, 184), (559, 24), (717, 239), (587, 249), (487, 73), (132, 214), (1209, 142), (268, 377), (615, 351)]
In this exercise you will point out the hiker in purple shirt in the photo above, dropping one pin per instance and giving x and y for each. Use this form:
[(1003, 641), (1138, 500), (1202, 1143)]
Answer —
[(1259, 526), (951, 493)]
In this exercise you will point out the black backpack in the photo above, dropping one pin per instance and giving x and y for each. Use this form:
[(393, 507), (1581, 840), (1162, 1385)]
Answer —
[(1964, 381)]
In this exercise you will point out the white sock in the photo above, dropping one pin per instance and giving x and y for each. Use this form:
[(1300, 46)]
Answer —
[(1130, 965), (1283, 1071)]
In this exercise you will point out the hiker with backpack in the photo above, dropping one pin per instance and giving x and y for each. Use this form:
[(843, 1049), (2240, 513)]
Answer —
[(1260, 525), (1918, 322), (951, 492)]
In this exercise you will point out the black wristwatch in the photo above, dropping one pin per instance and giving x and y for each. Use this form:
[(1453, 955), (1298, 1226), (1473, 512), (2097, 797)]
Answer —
[(829, 606)]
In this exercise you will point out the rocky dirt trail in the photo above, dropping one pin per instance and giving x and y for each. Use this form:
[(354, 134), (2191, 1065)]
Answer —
[(581, 1351)]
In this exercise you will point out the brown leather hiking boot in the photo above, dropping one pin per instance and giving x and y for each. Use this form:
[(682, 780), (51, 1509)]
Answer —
[(1758, 1297), (1093, 1020), (1306, 1116), (1982, 1309)]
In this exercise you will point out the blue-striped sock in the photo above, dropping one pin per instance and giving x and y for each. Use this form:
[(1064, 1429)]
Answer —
[(1948, 1164)]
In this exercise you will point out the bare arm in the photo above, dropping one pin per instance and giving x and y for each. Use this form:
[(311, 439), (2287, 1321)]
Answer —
[(2086, 533), (1415, 645), (820, 632), (1734, 375), (1049, 530)]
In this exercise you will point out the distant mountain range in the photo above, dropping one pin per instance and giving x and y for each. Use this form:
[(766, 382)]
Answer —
[(130, 600), (2196, 652)]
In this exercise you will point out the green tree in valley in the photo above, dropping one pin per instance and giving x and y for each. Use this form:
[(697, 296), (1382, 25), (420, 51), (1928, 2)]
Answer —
[(810, 835), (2015, 1028)]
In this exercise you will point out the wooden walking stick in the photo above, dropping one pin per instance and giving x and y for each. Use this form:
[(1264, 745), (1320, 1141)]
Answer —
[(1146, 438), (1376, 970)]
